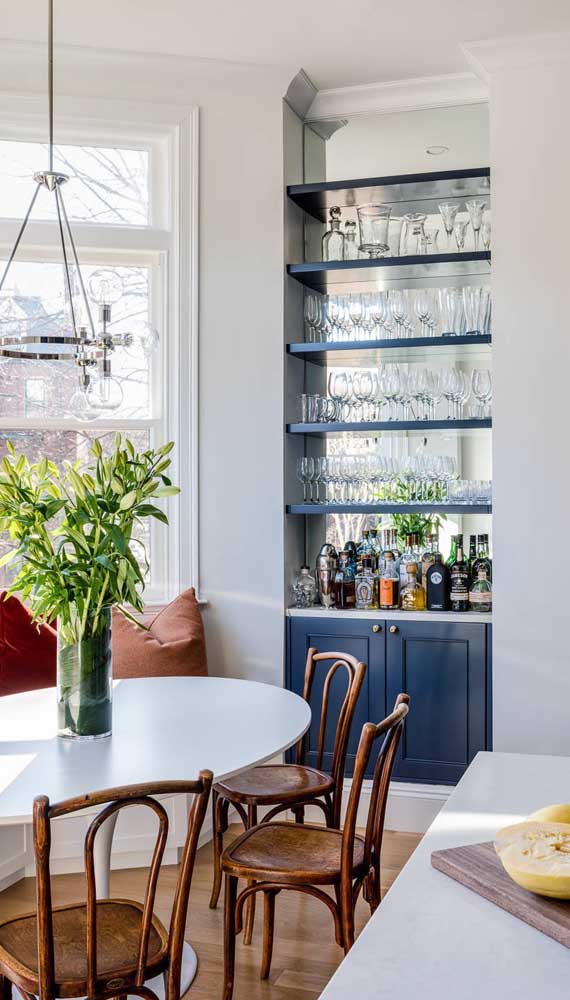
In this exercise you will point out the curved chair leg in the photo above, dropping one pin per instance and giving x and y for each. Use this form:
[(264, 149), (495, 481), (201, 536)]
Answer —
[(346, 914), (250, 906), (229, 935), (218, 844), (268, 930)]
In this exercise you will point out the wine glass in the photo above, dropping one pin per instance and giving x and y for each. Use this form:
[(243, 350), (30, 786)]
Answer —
[(482, 386), (459, 230), (486, 234), (390, 385), (452, 386), (476, 209), (448, 210), (338, 387), (303, 475)]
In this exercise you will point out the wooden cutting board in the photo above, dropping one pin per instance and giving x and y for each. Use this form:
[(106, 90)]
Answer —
[(478, 867)]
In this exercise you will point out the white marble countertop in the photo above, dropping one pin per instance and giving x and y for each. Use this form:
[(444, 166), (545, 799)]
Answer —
[(432, 938), (410, 616)]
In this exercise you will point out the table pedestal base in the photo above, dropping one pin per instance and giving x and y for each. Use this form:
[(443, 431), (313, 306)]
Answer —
[(187, 974)]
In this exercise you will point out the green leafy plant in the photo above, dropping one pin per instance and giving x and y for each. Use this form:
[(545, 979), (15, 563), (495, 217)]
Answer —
[(417, 524), (73, 531)]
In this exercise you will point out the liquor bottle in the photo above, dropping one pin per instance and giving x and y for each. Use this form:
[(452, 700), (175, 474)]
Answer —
[(437, 585), (472, 556), (364, 550), (459, 581), (364, 587), (453, 550), (481, 594), (373, 542), (483, 559), (407, 558), (351, 248), (428, 558), (333, 240), (305, 589), (413, 595), (389, 584), (394, 545), (344, 582)]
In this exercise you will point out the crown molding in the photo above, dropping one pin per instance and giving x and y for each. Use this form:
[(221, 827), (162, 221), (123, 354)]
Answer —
[(399, 95), (116, 73), (497, 55)]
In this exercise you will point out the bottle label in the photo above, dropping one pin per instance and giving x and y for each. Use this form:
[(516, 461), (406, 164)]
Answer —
[(386, 591), (364, 593), (480, 597), (436, 578)]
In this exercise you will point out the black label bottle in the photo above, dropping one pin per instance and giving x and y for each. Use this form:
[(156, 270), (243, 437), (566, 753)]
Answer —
[(437, 585), (459, 582)]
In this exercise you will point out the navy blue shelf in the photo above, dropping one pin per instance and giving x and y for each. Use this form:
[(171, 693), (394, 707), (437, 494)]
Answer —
[(365, 427), (388, 508), (358, 352), (322, 275), (411, 192)]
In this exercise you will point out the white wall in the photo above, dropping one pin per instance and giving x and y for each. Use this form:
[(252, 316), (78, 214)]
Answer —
[(241, 357), (530, 161)]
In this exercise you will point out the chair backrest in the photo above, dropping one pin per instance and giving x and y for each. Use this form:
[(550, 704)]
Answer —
[(353, 673), (389, 732), (113, 800)]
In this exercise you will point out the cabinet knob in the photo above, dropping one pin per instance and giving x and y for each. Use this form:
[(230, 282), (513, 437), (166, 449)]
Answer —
[(393, 629), (376, 628)]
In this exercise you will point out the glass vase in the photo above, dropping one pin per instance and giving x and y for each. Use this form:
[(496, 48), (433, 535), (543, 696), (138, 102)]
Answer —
[(84, 681)]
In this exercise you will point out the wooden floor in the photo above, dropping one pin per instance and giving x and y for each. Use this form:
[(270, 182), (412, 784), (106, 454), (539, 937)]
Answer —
[(304, 957)]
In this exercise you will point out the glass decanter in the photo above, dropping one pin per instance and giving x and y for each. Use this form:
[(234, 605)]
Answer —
[(333, 240)]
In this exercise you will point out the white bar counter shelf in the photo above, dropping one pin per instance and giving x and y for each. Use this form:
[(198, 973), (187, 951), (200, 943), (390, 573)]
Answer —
[(432, 937), (406, 616)]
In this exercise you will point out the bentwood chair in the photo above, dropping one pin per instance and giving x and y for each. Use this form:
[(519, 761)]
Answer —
[(293, 786), (273, 857), (102, 948)]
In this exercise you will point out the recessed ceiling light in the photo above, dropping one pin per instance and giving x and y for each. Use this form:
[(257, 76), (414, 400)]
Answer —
[(437, 150)]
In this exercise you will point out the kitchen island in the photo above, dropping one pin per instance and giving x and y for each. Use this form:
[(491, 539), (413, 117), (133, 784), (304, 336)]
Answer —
[(432, 937)]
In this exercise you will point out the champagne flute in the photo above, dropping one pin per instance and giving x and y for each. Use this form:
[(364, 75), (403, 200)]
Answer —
[(476, 209)]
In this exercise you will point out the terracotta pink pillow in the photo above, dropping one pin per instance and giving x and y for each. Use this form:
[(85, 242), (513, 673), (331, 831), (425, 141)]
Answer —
[(174, 646)]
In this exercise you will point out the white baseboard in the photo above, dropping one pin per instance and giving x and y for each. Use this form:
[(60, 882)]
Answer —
[(411, 807)]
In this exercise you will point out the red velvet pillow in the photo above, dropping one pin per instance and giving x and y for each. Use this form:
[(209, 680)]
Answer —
[(174, 646), (28, 654)]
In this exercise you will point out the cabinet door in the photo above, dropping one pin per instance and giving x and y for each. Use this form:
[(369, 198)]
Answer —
[(335, 635), (443, 669)]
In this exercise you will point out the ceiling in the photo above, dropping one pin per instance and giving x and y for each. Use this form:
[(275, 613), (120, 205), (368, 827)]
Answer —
[(336, 43)]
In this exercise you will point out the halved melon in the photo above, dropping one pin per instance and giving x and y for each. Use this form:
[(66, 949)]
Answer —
[(552, 814), (536, 855)]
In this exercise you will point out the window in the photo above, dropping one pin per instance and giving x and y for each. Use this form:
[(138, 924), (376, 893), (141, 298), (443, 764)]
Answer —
[(124, 217)]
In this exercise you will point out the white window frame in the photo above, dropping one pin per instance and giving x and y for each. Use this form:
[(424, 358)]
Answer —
[(170, 134)]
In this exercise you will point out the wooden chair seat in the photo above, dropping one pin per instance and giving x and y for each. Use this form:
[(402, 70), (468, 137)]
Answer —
[(292, 853), (271, 784), (118, 938)]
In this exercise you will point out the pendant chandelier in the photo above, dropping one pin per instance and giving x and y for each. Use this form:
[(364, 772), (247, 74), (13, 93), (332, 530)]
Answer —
[(90, 348)]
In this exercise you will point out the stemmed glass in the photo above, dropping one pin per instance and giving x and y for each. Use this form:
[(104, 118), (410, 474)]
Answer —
[(448, 211), (459, 229), (486, 234), (305, 473), (476, 209), (400, 310), (339, 390), (482, 386)]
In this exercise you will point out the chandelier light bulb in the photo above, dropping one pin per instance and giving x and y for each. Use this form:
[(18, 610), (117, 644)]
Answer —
[(105, 286), (143, 339), (80, 408), (105, 393)]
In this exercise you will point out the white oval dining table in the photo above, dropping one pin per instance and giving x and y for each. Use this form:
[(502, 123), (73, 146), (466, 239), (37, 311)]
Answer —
[(164, 728)]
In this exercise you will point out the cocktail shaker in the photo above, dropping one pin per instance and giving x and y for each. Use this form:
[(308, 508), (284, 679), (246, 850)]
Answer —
[(327, 562)]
